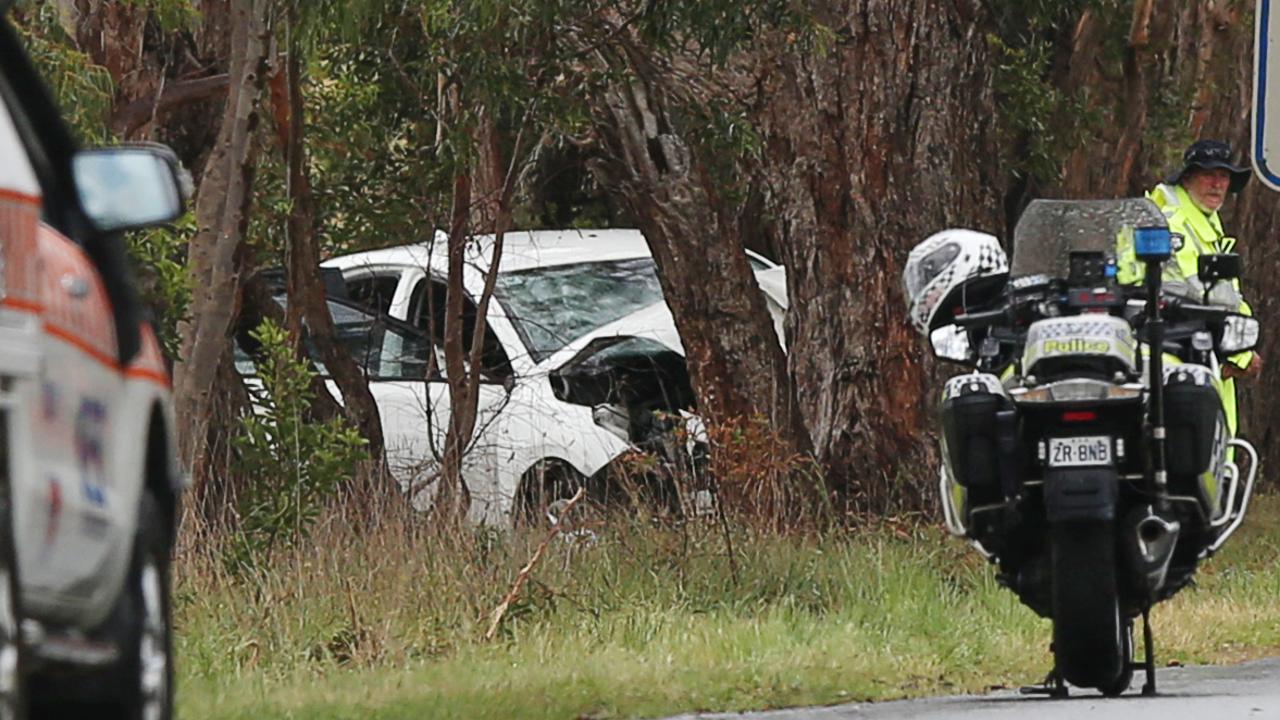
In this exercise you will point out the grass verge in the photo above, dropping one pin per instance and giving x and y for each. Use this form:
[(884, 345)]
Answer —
[(388, 622)]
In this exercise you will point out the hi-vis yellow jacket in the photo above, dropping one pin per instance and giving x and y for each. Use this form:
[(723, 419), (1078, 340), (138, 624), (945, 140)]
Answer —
[(1201, 234)]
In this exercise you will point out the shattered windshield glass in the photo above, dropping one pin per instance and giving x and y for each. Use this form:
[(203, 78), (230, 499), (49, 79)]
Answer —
[(551, 306), (1050, 229)]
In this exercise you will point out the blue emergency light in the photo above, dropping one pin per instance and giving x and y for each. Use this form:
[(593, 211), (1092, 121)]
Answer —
[(1153, 243)]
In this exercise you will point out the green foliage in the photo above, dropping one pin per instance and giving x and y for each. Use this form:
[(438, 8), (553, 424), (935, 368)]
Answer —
[(396, 92), (1034, 112), (164, 278), (296, 464), (373, 171), (83, 90), (86, 94), (1041, 121), (171, 14), (720, 28)]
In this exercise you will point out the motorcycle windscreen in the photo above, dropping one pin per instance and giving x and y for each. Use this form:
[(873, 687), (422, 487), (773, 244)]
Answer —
[(1050, 230)]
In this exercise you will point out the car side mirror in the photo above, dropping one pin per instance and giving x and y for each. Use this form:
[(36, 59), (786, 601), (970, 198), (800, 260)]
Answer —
[(951, 343), (1212, 268), (128, 188)]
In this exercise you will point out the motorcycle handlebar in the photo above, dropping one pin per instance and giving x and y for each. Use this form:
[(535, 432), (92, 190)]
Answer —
[(1196, 310), (980, 319)]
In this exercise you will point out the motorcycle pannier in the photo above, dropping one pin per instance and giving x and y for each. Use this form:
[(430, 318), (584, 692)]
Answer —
[(974, 409), (1194, 421)]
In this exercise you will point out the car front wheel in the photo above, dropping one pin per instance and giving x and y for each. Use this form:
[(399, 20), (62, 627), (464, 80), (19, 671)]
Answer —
[(546, 489), (145, 670), (12, 653)]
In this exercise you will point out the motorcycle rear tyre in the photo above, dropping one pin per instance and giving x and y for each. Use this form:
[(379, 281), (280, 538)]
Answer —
[(1088, 643)]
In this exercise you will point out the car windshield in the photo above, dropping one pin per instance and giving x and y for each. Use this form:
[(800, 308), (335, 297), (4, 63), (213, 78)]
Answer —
[(551, 306), (1050, 230)]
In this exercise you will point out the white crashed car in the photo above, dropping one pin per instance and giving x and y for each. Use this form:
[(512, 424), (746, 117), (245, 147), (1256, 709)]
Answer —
[(579, 353)]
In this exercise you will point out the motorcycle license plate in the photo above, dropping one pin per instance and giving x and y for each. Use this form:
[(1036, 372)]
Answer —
[(1079, 451)]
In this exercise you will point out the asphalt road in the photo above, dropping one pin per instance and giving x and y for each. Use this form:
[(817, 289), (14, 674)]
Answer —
[(1250, 690)]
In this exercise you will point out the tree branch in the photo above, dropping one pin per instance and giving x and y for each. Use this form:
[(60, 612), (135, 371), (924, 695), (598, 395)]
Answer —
[(129, 118)]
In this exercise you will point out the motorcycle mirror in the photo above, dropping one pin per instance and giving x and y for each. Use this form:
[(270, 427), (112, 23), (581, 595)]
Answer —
[(1239, 334), (951, 343), (1224, 266)]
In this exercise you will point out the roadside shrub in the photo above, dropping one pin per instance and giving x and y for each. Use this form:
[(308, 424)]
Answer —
[(297, 464), (759, 479), (159, 256)]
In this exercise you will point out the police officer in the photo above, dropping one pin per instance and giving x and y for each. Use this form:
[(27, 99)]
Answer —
[(1190, 199)]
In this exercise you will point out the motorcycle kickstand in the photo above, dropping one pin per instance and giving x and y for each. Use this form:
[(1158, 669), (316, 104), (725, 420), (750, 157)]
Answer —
[(1149, 662), (1053, 686)]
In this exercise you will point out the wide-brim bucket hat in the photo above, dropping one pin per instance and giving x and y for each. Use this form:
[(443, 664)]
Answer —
[(1210, 155)]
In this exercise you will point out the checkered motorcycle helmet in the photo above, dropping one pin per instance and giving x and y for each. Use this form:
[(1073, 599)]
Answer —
[(940, 267)]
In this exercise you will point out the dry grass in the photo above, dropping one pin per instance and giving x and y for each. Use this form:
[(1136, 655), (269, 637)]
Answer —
[(387, 620)]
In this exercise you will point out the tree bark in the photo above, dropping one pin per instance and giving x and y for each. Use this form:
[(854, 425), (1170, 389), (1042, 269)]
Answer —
[(221, 216), (664, 181), (127, 119), (453, 497), (481, 203), (870, 148), (308, 311)]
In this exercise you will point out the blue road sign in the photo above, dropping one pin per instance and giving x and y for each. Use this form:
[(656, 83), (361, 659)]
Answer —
[(1266, 93)]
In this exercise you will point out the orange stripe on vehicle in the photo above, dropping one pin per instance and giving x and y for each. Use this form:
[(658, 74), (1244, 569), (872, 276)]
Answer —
[(159, 377), (150, 359), (16, 196), (24, 305), (137, 373), (82, 345)]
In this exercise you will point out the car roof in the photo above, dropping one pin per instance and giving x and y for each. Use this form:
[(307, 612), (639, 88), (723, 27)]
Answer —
[(522, 250)]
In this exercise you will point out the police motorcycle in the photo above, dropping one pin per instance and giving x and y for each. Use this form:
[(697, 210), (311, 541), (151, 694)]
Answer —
[(1086, 454)]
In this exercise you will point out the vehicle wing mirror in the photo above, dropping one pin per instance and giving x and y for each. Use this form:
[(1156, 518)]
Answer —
[(1212, 268), (1239, 334), (950, 342), (129, 188)]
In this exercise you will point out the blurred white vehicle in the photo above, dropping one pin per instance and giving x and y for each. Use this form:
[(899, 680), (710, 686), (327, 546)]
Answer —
[(89, 484), (579, 353)]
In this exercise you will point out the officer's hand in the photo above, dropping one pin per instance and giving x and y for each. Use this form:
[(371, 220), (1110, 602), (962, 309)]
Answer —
[(1255, 366)]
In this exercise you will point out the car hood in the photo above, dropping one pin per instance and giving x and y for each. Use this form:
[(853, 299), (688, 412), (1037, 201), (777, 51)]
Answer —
[(653, 322)]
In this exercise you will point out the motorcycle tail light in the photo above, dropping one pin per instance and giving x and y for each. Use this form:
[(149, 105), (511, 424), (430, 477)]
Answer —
[(1073, 416)]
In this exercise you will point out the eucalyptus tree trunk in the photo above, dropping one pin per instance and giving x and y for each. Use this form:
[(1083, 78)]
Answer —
[(654, 169), (222, 208), (870, 147), (308, 310)]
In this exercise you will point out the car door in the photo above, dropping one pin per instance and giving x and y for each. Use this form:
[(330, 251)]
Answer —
[(81, 387), (58, 323), (412, 391), (33, 450)]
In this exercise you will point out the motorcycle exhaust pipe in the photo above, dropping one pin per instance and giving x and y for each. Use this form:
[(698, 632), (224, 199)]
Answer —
[(1151, 542)]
